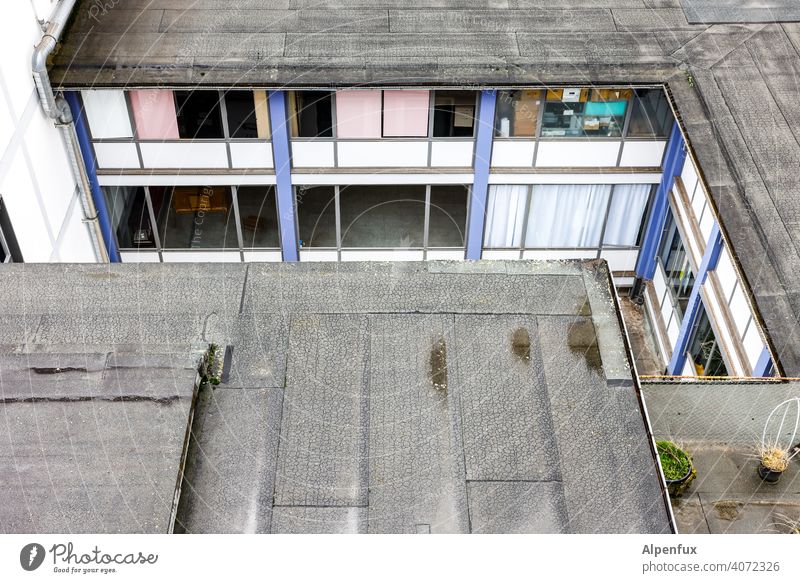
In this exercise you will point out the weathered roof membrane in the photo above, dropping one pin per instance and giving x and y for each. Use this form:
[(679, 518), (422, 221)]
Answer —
[(464, 397)]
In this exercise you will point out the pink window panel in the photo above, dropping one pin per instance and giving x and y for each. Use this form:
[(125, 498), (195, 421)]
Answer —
[(405, 113), (154, 114), (358, 114)]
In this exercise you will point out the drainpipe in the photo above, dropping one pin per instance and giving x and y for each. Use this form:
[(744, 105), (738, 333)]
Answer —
[(58, 109)]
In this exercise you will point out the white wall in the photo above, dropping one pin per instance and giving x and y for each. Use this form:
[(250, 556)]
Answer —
[(36, 181)]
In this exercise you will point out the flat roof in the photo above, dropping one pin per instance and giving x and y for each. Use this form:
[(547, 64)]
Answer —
[(402, 397), (735, 85)]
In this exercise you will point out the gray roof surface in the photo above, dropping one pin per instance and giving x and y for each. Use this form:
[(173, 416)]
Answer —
[(442, 397), (739, 110)]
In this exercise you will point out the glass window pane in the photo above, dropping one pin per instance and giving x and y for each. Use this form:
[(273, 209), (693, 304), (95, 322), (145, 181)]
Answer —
[(154, 114), (195, 217), (316, 215), (130, 217), (704, 349), (448, 216), (310, 114), (626, 214), (199, 115), (247, 114), (651, 115), (358, 113), (567, 215), (259, 215), (453, 113), (405, 113), (382, 216), (677, 269), (581, 112), (505, 216), (518, 113)]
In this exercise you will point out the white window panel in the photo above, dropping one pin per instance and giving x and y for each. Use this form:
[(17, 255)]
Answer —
[(500, 254), (188, 179), (663, 350), (116, 155), (251, 155), (689, 177), (726, 274), (740, 311), (263, 256), (319, 255), (673, 330), (312, 154), (659, 285), (500, 177), (642, 153), (381, 255), (451, 154), (556, 254), (446, 254), (707, 224), (753, 345), (569, 154), (392, 179), (623, 281), (382, 154), (107, 113), (513, 153), (723, 332), (201, 257), (139, 257), (184, 155), (668, 314), (30, 224), (620, 259), (688, 369), (699, 202)]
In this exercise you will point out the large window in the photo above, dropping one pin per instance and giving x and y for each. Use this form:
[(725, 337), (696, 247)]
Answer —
[(447, 220), (383, 216), (199, 115), (570, 216), (247, 114), (518, 113), (454, 113), (704, 349), (195, 217), (675, 261), (316, 215), (578, 112), (130, 217), (651, 115), (311, 114), (259, 215)]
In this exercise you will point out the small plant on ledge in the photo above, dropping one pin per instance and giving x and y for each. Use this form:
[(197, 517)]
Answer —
[(775, 453), (677, 465), (211, 366)]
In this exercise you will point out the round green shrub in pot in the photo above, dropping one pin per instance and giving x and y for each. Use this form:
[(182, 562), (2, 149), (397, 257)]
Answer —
[(677, 466)]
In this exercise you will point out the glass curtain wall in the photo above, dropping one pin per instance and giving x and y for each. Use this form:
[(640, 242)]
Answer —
[(704, 350), (677, 269)]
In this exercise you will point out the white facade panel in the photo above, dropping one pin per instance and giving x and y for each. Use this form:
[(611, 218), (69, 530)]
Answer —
[(139, 257), (571, 154), (27, 217), (201, 257), (74, 245), (251, 155), (673, 330), (382, 255), (312, 154), (740, 311), (262, 256), (19, 33), (513, 153), (689, 177), (500, 254), (699, 202), (382, 154), (107, 113), (184, 155), (556, 254), (452, 154), (726, 274), (753, 345), (184, 179), (659, 285), (722, 332), (382, 178), (642, 153), (707, 225), (620, 259), (318, 255), (445, 254), (116, 155), (499, 177)]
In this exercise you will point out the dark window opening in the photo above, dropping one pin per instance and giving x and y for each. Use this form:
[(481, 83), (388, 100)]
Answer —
[(194, 217), (310, 113), (130, 217), (389, 217), (651, 115), (447, 220), (316, 216), (199, 115), (453, 113), (704, 349), (247, 114), (259, 214), (9, 249), (677, 269)]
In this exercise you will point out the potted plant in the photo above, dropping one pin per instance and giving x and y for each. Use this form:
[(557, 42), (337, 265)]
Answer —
[(775, 453), (677, 466)]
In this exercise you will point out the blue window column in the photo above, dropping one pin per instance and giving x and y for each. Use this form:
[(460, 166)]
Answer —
[(283, 175), (89, 161), (764, 367), (709, 262), (673, 166), (480, 184)]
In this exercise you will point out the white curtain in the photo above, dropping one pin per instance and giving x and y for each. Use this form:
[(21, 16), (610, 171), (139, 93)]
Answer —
[(625, 214), (567, 215), (505, 213)]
